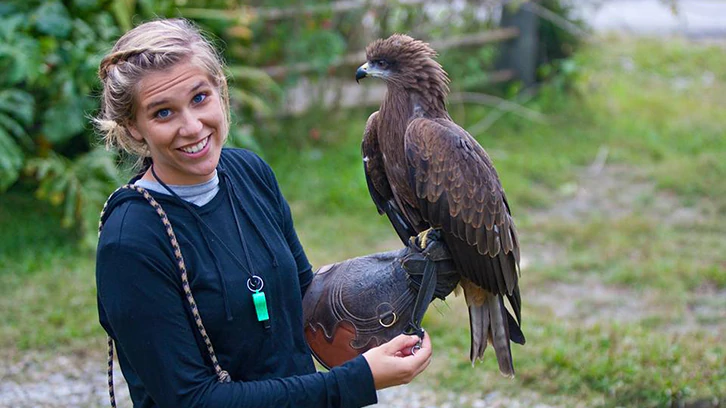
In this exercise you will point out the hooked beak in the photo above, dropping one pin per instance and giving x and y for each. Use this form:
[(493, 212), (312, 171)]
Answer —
[(361, 73)]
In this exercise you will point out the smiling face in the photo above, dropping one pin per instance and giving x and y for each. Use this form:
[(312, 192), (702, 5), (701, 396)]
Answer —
[(179, 116)]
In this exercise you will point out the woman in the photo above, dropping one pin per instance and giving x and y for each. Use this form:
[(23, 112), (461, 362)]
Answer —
[(165, 101)]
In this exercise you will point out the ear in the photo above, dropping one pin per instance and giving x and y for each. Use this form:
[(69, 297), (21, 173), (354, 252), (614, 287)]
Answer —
[(135, 132)]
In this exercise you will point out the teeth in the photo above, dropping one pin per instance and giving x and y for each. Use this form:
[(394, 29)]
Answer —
[(197, 147)]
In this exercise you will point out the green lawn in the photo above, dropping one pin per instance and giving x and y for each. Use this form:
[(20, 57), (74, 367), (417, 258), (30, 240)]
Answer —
[(624, 288)]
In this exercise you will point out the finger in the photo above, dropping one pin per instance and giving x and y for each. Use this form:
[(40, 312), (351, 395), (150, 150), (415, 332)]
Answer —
[(409, 351), (425, 365), (400, 343), (425, 350), (416, 369), (426, 342), (419, 344)]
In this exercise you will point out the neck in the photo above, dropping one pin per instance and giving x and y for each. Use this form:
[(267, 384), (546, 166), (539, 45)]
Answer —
[(413, 100), (404, 103)]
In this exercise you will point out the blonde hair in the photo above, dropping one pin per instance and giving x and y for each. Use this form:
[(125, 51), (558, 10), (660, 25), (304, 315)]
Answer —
[(150, 47)]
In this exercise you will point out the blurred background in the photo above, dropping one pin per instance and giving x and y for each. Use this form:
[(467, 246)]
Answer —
[(605, 119)]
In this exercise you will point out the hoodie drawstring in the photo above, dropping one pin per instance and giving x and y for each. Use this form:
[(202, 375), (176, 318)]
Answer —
[(232, 190), (255, 282), (222, 281)]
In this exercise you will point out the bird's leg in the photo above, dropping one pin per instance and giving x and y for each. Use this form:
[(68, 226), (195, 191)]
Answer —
[(426, 290), (428, 244)]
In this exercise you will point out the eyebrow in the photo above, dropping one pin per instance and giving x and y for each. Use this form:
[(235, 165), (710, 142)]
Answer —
[(195, 88)]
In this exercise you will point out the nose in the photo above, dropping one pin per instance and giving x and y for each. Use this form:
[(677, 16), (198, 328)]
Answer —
[(191, 124)]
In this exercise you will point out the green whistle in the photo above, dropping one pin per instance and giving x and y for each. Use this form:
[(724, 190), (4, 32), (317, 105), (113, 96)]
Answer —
[(260, 306)]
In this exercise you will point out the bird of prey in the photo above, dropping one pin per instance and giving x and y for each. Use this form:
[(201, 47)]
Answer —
[(424, 171)]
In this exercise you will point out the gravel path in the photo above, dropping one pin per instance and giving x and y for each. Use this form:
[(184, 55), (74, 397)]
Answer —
[(42, 380)]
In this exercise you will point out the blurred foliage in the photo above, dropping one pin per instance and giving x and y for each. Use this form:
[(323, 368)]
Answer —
[(50, 51), (557, 42), (49, 54), (558, 45)]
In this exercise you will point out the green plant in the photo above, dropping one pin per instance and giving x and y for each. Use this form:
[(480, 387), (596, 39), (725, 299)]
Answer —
[(74, 183), (49, 55), (16, 114)]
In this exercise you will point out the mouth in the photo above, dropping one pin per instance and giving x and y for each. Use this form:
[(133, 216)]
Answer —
[(197, 147)]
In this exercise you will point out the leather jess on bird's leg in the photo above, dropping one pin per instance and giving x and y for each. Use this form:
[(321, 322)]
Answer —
[(354, 305)]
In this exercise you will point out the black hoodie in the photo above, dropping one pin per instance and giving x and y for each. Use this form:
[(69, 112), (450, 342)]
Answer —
[(143, 308)]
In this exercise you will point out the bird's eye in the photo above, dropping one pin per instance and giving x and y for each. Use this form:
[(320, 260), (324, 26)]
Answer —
[(382, 64)]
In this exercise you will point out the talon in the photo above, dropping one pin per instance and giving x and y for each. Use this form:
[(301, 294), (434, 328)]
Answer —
[(423, 238)]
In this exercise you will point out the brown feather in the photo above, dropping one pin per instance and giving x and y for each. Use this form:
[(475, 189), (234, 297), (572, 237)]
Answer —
[(441, 177)]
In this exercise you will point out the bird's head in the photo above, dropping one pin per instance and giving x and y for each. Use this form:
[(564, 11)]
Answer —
[(402, 60)]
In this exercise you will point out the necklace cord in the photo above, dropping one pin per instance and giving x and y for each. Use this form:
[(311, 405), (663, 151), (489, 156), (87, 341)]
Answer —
[(222, 375), (247, 268)]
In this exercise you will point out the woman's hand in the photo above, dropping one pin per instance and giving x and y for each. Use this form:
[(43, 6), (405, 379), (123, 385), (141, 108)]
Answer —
[(396, 362)]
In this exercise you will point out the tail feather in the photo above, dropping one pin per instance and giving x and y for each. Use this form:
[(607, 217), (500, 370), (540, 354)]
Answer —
[(479, 328), (489, 323), (499, 332)]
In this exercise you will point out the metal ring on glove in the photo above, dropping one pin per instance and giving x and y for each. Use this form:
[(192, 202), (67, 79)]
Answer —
[(387, 325)]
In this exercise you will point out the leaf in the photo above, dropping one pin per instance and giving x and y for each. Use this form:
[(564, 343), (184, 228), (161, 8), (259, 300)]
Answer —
[(52, 18), (80, 185), (19, 60), (240, 136), (123, 10), (16, 109), (11, 160), (63, 121), (254, 102), (5, 9), (19, 104), (250, 73), (10, 25), (106, 28), (86, 4), (72, 198), (11, 126)]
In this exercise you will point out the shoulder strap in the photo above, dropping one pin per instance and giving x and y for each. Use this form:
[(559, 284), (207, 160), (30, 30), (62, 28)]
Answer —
[(222, 375)]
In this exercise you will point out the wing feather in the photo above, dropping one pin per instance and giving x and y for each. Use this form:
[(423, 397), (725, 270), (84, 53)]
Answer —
[(378, 185), (459, 191)]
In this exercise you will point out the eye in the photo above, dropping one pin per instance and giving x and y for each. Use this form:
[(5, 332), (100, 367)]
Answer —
[(199, 98), (382, 64), (163, 113)]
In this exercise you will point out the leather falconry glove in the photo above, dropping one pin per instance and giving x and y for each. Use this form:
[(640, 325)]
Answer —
[(355, 305)]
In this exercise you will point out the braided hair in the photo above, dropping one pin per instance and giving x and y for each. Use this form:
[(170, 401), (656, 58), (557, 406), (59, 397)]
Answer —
[(150, 47)]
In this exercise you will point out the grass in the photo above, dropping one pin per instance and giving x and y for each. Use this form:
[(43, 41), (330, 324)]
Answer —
[(47, 289), (656, 235), (602, 365)]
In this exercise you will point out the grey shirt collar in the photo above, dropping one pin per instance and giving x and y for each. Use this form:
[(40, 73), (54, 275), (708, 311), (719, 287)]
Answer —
[(198, 194)]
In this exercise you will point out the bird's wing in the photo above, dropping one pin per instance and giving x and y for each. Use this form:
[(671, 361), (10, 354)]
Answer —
[(459, 191), (378, 186)]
